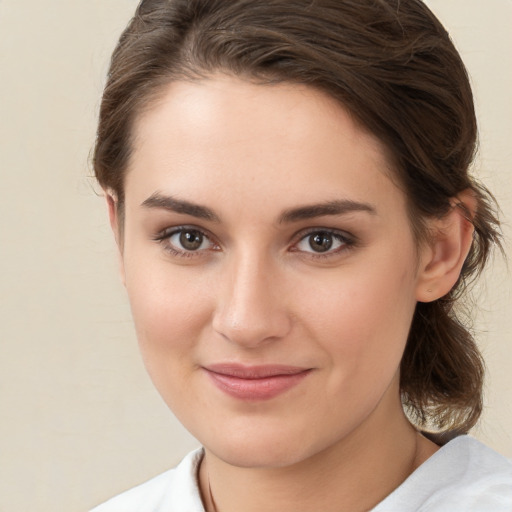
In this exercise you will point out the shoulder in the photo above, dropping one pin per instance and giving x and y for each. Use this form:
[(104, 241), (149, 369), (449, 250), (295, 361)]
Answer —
[(462, 476), (175, 489)]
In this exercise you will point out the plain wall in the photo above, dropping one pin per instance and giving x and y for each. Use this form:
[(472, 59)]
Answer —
[(80, 420)]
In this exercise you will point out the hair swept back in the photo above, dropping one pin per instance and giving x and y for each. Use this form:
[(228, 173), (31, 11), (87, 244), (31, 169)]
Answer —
[(393, 66)]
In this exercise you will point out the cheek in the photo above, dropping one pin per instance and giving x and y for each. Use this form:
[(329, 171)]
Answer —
[(169, 310), (169, 314), (362, 316)]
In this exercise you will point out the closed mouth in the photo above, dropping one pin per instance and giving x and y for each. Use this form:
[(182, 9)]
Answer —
[(255, 382)]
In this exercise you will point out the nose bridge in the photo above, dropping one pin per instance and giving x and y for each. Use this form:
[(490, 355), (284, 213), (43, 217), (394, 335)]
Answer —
[(250, 306)]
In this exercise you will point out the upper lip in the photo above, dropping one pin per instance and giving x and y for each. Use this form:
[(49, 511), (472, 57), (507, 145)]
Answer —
[(242, 371)]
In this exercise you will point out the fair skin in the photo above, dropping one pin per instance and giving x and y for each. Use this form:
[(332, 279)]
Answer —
[(262, 231)]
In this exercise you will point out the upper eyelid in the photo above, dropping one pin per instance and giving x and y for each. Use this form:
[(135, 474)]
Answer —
[(169, 231), (298, 235), (349, 242), (334, 231)]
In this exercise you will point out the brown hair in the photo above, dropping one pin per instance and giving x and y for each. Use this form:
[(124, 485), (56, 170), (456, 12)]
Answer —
[(393, 66)]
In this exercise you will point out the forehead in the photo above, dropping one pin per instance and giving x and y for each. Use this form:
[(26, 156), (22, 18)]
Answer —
[(224, 104), (226, 138)]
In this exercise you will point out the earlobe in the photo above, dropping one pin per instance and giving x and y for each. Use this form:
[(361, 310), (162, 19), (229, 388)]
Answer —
[(442, 259), (113, 215)]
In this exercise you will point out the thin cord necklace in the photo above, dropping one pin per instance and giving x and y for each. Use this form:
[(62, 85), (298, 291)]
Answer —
[(210, 495)]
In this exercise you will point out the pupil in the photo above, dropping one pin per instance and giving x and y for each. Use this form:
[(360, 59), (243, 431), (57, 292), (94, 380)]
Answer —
[(321, 242), (191, 240)]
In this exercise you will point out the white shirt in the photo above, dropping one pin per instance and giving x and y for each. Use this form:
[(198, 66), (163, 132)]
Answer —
[(462, 476)]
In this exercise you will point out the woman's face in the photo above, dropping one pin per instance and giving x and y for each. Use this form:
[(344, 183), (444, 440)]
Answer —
[(270, 268)]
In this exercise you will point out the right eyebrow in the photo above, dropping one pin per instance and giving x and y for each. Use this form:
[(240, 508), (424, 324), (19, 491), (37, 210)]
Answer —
[(158, 200)]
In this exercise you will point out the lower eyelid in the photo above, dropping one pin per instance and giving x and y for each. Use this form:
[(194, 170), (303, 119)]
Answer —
[(164, 239), (178, 232)]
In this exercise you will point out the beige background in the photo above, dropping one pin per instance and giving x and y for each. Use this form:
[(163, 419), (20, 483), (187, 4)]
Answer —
[(79, 418)]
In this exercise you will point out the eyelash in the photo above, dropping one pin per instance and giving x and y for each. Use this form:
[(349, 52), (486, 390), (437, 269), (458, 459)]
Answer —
[(347, 242), (164, 238)]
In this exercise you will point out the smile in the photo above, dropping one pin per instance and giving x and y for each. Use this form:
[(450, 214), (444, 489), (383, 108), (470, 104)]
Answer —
[(255, 382)]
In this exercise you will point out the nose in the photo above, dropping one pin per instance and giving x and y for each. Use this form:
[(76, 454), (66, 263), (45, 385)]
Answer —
[(251, 307)]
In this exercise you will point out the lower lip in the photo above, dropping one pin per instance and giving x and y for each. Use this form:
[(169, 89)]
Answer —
[(263, 388)]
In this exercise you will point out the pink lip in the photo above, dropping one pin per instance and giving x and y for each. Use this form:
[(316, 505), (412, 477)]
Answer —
[(255, 382)]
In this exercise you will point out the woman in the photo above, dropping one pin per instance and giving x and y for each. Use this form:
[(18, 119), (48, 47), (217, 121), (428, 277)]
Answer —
[(288, 186)]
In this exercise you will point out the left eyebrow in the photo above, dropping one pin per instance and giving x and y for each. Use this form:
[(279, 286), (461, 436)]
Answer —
[(337, 207)]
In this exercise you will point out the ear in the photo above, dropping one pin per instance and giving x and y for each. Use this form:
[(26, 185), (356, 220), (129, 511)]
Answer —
[(115, 224), (442, 258)]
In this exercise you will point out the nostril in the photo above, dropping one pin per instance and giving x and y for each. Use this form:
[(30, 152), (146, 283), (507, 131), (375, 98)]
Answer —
[(252, 328)]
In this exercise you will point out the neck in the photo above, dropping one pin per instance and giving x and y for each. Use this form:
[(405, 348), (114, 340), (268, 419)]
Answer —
[(355, 474)]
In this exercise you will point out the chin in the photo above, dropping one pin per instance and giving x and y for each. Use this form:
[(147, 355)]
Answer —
[(261, 447), (253, 455)]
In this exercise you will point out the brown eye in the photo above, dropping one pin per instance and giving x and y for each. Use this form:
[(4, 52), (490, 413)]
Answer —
[(186, 241), (321, 242), (191, 240)]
